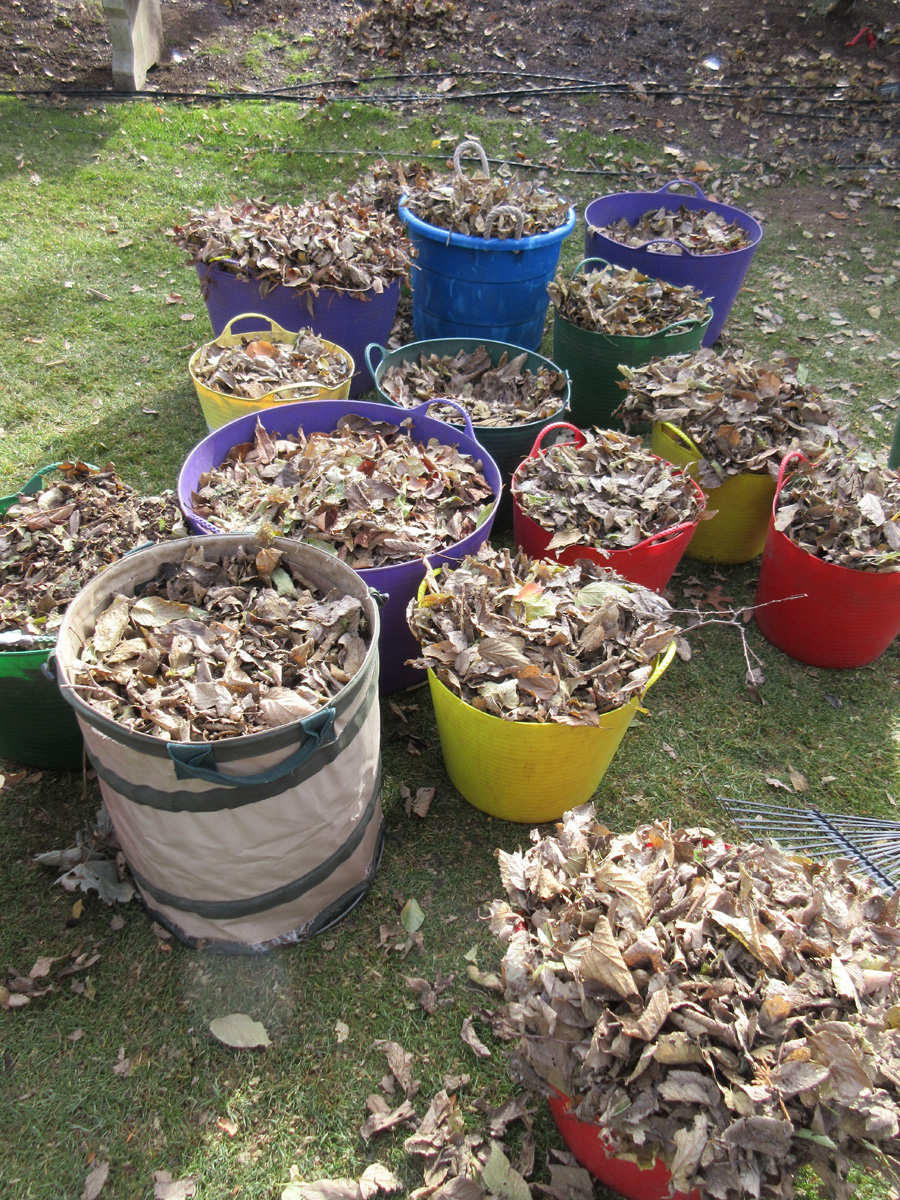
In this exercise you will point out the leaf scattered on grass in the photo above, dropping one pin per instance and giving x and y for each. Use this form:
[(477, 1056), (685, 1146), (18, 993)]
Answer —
[(96, 1180), (239, 1031), (411, 916), (167, 1188)]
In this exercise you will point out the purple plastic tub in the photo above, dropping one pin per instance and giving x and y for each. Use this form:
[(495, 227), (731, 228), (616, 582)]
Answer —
[(400, 581), (349, 320), (718, 277)]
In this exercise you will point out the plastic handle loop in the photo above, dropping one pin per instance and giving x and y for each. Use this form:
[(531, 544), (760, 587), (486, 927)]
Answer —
[(584, 262), (368, 356), (471, 144), (306, 390), (49, 668), (423, 408), (380, 598), (272, 326), (698, 191), (35, 483), (682, 248), (191, 760), (507, 210), (677, 434), (661, 664), (790, 458), (577, 441)]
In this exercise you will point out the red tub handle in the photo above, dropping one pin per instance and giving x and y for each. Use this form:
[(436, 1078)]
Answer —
[(698, 191), (578, 440), (789, 458)]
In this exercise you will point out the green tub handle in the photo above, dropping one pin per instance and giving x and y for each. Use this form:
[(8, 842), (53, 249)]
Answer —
[(380, 598), (191, 760), (368, 357), (584, 262), (35, 483)]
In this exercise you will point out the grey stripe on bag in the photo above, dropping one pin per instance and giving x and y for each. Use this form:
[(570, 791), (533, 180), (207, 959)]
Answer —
[(214, 799), (224, 910)]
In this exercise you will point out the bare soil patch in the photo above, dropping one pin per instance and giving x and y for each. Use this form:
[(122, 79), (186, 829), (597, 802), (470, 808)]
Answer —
[(770, 83)]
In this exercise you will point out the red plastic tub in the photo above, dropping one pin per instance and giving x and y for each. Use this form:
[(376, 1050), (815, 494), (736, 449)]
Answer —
[(818, 612), (650, 563), (593, 1151)]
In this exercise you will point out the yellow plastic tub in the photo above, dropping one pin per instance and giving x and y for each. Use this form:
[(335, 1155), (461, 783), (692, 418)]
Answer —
[(523, 770), (742, 505), (219, 408)]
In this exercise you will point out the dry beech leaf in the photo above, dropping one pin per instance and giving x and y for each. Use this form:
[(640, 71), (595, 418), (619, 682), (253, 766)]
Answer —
[(472, 1040), (95, 1181), (239, 1031), (167, 1188)]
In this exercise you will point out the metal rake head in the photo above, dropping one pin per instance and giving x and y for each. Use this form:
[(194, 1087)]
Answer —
[(871, 842)]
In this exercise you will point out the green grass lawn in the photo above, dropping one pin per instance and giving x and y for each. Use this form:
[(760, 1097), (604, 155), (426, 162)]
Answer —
[(116, 1063)]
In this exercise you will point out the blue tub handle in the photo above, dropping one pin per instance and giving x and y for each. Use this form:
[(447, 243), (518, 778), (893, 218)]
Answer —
[(368, 356), (190, 759), (698, 191), (423, 408)]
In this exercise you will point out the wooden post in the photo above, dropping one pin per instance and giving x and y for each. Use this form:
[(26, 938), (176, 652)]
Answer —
[(135, 30)]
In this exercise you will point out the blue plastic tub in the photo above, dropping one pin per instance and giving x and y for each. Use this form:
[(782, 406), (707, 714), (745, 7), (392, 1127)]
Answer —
[(718, 277), (489, 288), (399, 581)]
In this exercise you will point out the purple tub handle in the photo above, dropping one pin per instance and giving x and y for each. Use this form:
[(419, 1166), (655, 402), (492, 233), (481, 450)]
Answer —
[(368, 356), (422, 410), (669, 242), (698, 191)]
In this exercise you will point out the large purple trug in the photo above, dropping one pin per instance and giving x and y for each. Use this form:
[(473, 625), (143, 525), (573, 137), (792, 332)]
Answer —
[(349, 319), (718, 277), (400, 581)]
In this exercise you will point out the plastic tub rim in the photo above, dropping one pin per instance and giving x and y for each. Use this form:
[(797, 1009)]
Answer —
[(465, 241)]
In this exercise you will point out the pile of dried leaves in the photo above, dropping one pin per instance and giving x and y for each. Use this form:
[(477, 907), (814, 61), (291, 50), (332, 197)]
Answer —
[(609, 493), (391, 27), (528, 640), (384, 184), (255, 367), (221, 645), (54, 541), (844, 510), (495, 397), (368, 491), (730, 1010), (461, 204), (335, 243), (743, 415), (624, 303), (701, 230)]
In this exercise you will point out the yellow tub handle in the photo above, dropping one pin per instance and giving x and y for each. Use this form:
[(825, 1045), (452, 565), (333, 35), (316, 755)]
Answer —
[(661, 665), (677, 434), (273, 327)]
